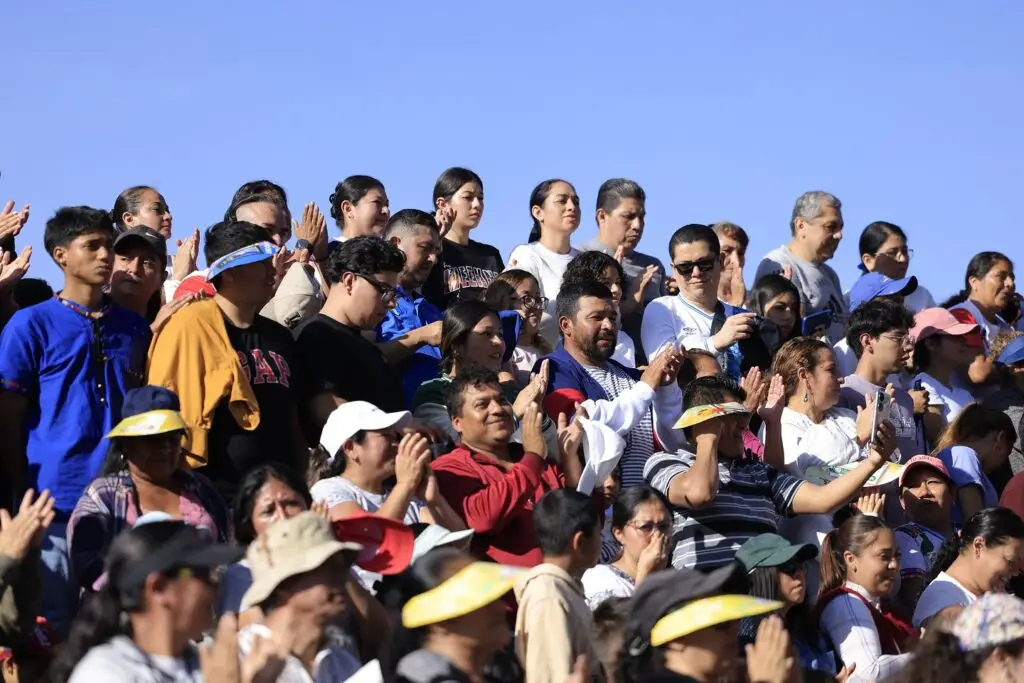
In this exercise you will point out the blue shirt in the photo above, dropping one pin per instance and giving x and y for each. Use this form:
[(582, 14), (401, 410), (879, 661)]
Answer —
[(409, 314), (964, 466), (74, 370)]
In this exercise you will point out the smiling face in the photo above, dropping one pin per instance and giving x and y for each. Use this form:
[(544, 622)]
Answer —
[(877, 565), (485, 419), (368, 216), (821, 235), (993, 566), (268, 216), (527, 302), (698, 270), (373, 456), (997, 288), (484, 345)]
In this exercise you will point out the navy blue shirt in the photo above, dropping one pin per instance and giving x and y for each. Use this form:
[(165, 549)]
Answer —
[(409, 314), (74, 369)]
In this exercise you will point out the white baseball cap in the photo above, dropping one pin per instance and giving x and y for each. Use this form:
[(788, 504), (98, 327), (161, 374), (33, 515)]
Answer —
[(350, 418), (435, 536)]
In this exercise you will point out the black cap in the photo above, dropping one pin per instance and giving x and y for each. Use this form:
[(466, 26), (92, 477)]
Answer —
[(150, 237), (189, 547)]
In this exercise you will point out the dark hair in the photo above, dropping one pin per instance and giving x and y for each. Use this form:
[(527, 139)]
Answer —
[(29, 291), (471, 376), (589, 266), (351, 190), (458, 324), (264, 188), (559, 515), (408, 220), (449, 182), (875, 318), (876, 235), (610, 619), (365, 255), (939, 658), (129, 201), (632, 497), (694, 232), (978, 267), (321, 467), (71, 222), (255, 198), (223, 238), (250, 486), (567, 304), (732, 231), (797, 354), (500, 294), (102, 616), (995, 526), (769, 287), (764, 584), (709, 390), (854, 535), (537, 198), (973, 422), (613, 191), (688, 368)]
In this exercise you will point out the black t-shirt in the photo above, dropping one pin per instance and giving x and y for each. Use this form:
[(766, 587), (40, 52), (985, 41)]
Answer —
[(463, 273), (266, 352), (340, 361)]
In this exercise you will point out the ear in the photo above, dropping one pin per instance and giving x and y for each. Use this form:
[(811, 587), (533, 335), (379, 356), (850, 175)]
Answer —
[(978, 544), (868, 260), (537, 213), (866, 341), (457, 424), (578, 541), (601, 216), (848, 558), (395, 240), (798, 225), (618, 535), (565, 325), (346, 207), (441, 203), (127, 219)]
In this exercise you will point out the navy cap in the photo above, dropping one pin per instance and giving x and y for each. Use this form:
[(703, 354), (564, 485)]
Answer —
[(147, 398), (1013, 353), (873, 285)]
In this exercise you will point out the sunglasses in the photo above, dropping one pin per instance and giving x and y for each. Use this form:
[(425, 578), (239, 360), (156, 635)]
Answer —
[(685, 269), (791, 568), (387, 292)]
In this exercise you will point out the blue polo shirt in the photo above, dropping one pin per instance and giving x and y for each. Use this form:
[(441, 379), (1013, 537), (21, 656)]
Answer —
[(409, 314), (74, 369)]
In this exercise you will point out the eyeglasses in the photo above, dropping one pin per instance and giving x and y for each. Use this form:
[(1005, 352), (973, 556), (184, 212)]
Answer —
[(903, 340), (685, 269), (387, 292), (650, 527), (530, 301), (896, 253)]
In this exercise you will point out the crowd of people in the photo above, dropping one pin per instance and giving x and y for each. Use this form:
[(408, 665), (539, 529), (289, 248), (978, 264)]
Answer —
[(381, 452)]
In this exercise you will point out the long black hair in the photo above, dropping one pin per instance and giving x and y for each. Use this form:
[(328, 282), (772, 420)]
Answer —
[(995, 526), (978, 267), (251, 485), (537, 198), (459, 321)]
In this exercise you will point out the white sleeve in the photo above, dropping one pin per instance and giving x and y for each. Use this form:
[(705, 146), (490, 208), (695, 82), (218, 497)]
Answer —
[(851, 629), (668, 407), (524, 259), (624, 412), (657, 329)]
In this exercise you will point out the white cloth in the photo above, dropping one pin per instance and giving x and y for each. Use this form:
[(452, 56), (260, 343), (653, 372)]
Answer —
[(950, 400), (524, 358), (848, 623), (625, 350), (332, 663), (943, 592), (603, 582), (602, 449), (548, 268)]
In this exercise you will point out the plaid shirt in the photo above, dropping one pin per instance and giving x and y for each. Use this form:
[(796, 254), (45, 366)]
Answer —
[(109, 506)]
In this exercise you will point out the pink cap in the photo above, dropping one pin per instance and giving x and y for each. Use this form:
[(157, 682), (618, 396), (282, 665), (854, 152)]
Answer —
[(932, 321), (925, 461)]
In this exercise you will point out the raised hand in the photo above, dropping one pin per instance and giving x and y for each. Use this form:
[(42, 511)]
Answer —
[(768, 658), (163, 316), (533, 392), (11, 221), (412, 460), (13, 269), (654, 556), (775, 400), (570, 435), (27, 529), (184, 262), (871, 502), (533, 431), (756, 387), (638, 285), (445, 219), (664, 369), (218, 659), (313, 227)]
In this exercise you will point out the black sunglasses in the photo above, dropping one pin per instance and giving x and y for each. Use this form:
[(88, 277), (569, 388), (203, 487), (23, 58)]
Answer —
[(685, 269), (791, 567)]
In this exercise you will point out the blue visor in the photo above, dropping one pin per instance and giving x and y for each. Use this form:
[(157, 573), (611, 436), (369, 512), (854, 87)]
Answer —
[(1013, 353), (254, 253), (873, 285)]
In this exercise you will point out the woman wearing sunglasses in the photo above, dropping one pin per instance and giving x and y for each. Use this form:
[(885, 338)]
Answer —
[(518, 290), (642, 524)]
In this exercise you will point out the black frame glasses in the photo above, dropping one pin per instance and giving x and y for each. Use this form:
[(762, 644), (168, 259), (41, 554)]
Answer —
[(387, 292), (685, 269), (530, 301)]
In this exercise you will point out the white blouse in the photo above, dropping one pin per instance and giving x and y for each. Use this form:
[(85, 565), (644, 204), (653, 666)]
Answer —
[(849, 626)]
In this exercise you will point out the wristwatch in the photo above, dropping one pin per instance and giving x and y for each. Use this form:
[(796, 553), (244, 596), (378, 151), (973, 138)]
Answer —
[(304, 244)]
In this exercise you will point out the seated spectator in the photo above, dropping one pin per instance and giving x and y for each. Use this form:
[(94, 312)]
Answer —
[(989, 287), (942, 356), (883, 250), (927, 492), (696, 318), (517, 290), (734, 242), (720, 496), (21, 584), (453, 626), (555, 210), (364, 275), (302, 286), (410, 333), (870, 288), (1007, 352), (860, 563), (299, 571), (684, 626), (553, 622), (776, 298), (597, 266), (62, 392), (981, 558), (492, 483), (155, 603), (581, 370), (974, 448), (777, 570), (232, 368), (145, 472), (641, 522)]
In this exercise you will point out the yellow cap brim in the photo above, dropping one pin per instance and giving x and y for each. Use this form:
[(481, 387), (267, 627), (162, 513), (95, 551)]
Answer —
[(698, 414), (708, 612), (475, 586), (148, 424)]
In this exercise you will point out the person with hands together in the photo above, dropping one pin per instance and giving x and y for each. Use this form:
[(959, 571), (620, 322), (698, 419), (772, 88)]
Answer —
[(302, 284), (21, 590)]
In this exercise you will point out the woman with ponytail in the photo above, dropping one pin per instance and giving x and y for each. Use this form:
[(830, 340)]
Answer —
[(141, 624), (985, 644), (883, 249), (859, 565), (981, 558), (989, 287), (555, 210)]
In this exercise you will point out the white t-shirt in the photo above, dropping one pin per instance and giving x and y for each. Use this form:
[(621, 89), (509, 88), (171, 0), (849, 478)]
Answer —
[(818, 286), (625, 351), (604, 581), (951, 400), (548, 267), (917, 544), (672, 320), (943, 592), (524, 358), (119, 660)]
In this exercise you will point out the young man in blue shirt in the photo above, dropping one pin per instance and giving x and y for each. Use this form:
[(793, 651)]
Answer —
[(65, 365)]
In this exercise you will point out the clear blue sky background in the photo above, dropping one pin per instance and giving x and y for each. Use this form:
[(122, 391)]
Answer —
[(910, 112)]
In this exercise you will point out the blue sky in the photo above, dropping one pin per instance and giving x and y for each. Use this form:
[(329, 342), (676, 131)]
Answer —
[(908, 111)]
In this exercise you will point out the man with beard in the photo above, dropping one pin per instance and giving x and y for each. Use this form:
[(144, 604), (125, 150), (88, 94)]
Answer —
[(581, 370), (410, 334), (817, 228)]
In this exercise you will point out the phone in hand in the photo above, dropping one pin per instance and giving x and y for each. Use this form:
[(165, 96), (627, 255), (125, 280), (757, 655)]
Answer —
[(816, 321), (882, 410)]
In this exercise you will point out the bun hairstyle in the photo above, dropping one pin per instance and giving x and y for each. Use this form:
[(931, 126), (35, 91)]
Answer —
[(537, 198), (128, 202), (995, 526), (351, 190), (856, 534)]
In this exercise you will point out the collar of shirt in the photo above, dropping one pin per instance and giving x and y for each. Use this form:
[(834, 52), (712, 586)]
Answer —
[(85, 311), (863, 592)]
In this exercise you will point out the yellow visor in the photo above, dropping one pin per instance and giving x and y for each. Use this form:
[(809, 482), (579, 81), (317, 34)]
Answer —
[(698, 414), (707, 612), (476, 586), (148, 424)]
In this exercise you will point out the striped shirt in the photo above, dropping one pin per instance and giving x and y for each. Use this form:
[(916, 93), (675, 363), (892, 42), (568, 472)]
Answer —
[(640, 439), (751, 496)]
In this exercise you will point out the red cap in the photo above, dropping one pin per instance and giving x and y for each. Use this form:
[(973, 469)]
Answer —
[(932, 321), (925, 461), (195, 284), (974, 339), (387, 543)]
